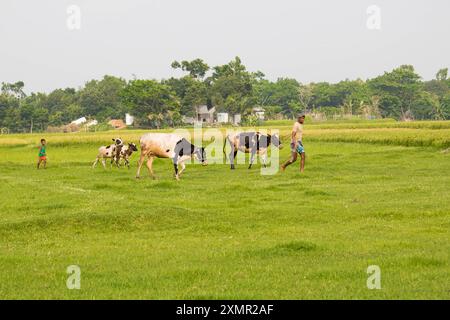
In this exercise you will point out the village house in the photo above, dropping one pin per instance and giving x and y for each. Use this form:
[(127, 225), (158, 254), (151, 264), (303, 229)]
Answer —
[(205, 115), (202, 115), (209, 116), (79, 121), (117, 123), (259, 112)]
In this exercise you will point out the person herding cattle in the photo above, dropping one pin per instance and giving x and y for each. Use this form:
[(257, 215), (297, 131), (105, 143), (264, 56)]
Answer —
[(297, 144), (251, 142), (168, 145)]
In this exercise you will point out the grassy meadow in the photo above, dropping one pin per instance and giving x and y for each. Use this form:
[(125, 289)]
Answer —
[(374, 193)]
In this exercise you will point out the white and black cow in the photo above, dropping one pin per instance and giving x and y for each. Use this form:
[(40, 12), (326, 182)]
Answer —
[(168, 145), (118, 148), (126, 152), (251, 142)]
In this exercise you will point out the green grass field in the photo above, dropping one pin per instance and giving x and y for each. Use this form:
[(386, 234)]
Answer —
[(371, 195)]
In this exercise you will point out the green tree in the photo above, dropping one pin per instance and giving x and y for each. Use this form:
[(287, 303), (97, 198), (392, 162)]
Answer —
[(305, 93), (56, 119), (73, 111), (232, 87), (286, 95), (9, 111), (58, 100), (397, 90), (263, 91), (11, 96), (445, 103), (197, 68), (14, 89), (101, 99), (191, 93), (442, 74), (150, 102), (322, 95), (4, 106), (428, 106), (34, 112)]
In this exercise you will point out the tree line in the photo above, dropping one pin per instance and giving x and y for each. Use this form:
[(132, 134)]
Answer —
[(400, 93)]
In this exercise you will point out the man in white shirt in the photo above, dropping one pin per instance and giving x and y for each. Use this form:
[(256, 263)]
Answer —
[(297, 145)]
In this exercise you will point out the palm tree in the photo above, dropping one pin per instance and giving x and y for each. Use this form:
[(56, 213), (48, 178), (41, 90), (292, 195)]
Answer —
[(347, 107)]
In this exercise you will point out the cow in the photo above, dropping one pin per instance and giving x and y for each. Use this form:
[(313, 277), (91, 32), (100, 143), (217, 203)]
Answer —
[(251, 142), (115, 152), (126, 152), (118, 147), (168, 145), (105, 152)]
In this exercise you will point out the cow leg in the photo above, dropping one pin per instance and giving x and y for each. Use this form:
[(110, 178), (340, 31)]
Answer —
[(117, 156), (175, 166), (252, 157), (183, 166), (150, 167), (264, 159), (95, 163), (233, 154), (140, 163)]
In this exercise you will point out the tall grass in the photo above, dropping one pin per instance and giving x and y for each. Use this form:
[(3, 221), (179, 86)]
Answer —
[(361, 124), (343, 122), (433, 125), (420, 133), (400, 137)]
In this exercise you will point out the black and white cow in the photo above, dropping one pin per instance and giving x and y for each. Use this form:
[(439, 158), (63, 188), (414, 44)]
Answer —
[(126, 152), (251, 142), (168, 145), (118, 148)]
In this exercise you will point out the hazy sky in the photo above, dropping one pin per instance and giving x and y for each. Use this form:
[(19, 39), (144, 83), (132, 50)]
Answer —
[(314, 40)]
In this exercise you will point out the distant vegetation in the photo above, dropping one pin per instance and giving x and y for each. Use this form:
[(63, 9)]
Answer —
[(400, 94), (433, 134)]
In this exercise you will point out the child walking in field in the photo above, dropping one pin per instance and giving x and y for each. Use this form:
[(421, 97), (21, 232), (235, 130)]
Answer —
[(42, 154)]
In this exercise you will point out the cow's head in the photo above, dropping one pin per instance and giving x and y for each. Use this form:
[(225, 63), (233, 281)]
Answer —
[(132, 147), (275, 139), (200, 154), (118, 141)]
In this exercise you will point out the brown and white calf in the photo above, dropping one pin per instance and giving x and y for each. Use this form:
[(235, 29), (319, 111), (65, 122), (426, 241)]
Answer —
[(251, 142), (115, 152), (168, 145)]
